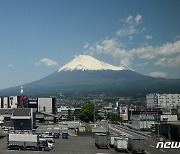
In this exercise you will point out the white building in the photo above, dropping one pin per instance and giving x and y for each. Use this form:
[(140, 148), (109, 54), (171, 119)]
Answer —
[(13, 101), (167, 118), (123, 113), (46, 105), (64, 112), (142, 120), (162, 100)]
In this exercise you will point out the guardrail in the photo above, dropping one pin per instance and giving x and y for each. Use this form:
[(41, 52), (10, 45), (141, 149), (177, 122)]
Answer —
[(135, 131)]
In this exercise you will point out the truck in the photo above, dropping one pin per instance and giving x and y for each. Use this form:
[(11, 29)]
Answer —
[(136, 144), (26, 141), (121, 143), (73, 125), (111, 140), (101, 140)]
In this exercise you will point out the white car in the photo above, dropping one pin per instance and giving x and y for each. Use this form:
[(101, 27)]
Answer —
[(5, 131), (49, 128), (46, 133), (48, 138), (50, 145)]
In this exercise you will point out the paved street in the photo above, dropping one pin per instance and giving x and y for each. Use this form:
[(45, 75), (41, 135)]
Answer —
[(150, 143), (85, 144)]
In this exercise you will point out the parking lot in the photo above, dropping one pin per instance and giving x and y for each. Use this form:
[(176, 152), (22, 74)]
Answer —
[(72, 145)]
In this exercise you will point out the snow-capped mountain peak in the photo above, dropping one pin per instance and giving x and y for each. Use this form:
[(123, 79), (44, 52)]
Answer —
[(86, 62)]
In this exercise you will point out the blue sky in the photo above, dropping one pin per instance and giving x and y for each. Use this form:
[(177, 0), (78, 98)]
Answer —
[(39, 36)]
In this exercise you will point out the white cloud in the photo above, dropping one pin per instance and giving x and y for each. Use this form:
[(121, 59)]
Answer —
[(86, 45), (10, 65), (138, 18), (143, 64), (169, 62), (158, 74), (47, 62), (126, 56), (133, 20), (150, 52), (127, 31), (148, 37), (131, 23), (129, 19), (114, 48)]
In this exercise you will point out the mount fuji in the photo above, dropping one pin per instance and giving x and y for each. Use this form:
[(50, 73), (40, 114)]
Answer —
[(86, 62), (87, 75)]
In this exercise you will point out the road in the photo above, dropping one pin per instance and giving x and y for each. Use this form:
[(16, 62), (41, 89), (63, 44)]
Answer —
[(85, 144), (150, 143)]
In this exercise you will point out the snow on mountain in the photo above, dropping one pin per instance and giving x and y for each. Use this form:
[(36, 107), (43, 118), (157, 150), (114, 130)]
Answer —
[(86, 62)]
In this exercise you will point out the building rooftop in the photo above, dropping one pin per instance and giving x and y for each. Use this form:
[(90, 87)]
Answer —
[(6, 111), (21, 112)]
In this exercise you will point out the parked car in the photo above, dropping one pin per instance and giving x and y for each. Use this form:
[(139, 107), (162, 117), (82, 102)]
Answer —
[(56, 135), (65, 135), (5, 131), (49, 138)]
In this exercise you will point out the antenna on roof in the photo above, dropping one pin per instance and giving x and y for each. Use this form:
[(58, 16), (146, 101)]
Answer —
[(21, 90)]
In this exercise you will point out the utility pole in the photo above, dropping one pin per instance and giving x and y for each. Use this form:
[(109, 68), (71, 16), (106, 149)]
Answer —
[(146, 117), (158, 122), (94, 114)]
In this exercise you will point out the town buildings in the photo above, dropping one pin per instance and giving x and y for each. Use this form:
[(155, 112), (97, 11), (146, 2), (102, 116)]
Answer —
[(163, 100)]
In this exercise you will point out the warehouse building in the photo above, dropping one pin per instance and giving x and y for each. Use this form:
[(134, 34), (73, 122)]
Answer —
[(18, 119)]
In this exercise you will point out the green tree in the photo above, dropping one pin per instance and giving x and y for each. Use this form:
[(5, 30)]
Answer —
[(87, 112), (114, 118)]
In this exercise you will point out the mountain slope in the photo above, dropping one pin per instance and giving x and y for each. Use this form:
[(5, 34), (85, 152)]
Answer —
[(103, 78)]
